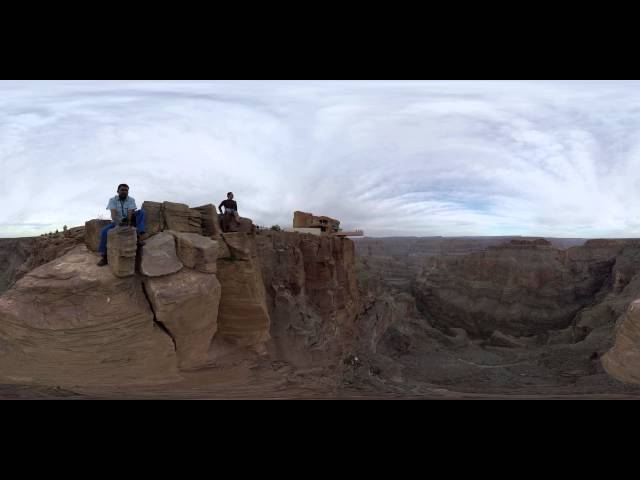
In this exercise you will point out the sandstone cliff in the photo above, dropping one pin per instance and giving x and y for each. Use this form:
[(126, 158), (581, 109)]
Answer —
[(312, 295), (186, 300)]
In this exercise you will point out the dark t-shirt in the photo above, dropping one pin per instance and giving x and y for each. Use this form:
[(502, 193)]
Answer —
[(229, 204)]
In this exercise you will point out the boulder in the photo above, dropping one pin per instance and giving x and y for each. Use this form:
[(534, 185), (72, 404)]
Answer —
[(210, 221), (72, 322), (245, 225), (195, 251), (159, 256), (241, 246), (180, 218), (92, 230), (187, 305), (154, 217), (121, 251)]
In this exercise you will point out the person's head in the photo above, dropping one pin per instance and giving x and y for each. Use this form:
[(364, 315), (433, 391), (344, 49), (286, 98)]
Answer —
[(230, 195), (123, 190)]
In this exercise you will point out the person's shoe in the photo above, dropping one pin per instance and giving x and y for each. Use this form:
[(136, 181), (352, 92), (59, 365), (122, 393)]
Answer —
[(103, 261)]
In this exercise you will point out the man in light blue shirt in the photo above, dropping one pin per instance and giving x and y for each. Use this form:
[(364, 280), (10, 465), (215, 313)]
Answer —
[(123, 213)]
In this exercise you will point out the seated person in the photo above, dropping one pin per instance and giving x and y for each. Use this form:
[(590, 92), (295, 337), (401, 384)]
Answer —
[(230, 212), (123, 213)]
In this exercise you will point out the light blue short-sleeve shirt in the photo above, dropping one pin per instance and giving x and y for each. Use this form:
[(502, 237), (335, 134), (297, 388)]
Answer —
[(121, 206)]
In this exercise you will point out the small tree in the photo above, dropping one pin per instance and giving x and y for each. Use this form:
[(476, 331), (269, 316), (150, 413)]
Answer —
[(276, 228), (64, 229)]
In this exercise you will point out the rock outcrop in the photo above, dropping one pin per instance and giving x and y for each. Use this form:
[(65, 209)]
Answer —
[(622, 361), (243, 316), (121, 251), (187, 305), (158, 256), (13, 253), (71, 322), (193, 295), (44, 249), (210, 221), (312, 295), (180, 218), (196, 251), (21, 255)]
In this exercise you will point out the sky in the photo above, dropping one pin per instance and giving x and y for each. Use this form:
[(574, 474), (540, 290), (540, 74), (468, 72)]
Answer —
[(394, 158)]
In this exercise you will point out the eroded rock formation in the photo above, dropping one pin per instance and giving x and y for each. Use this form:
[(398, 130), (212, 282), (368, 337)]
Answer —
[(519, 288), (72, 322), (152, 313), (312, 295)]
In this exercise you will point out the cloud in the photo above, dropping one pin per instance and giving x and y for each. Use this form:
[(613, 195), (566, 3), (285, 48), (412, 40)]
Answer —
[(393, 158)]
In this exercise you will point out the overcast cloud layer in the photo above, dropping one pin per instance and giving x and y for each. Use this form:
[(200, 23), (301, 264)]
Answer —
[(394, 158)]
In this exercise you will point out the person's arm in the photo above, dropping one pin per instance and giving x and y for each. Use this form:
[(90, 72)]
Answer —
[(131, 210), (111, 206), (220, 206)]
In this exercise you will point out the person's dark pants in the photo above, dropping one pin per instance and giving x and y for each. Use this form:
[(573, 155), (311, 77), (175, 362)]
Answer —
[(230, 221), (138, 222)]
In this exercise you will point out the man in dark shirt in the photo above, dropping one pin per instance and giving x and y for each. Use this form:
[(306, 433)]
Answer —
[(230, 212)]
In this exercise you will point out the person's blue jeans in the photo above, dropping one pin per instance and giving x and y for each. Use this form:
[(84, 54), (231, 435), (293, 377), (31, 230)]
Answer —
[(138, 222)]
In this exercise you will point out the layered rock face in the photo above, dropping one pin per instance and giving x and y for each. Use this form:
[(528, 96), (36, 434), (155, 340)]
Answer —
[(243, 315), (312, 295), (203, 220), (71, 322), (21, 255), (548, 315), (519, 288), (623, 360), (437, 246)]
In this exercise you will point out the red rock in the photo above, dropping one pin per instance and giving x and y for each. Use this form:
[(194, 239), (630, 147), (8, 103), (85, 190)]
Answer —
[(154, 217), (180, 218), (121, 251), (187, 305), (158, 256), (196, 251), (70, 322)]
